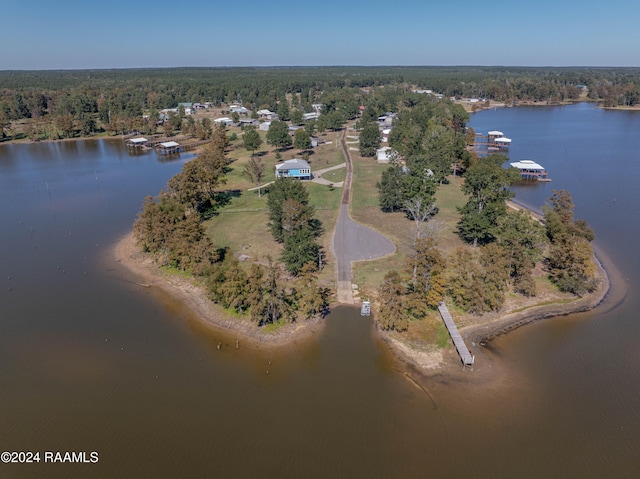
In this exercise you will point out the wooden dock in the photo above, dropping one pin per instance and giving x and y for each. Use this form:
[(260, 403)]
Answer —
[(466, 357)]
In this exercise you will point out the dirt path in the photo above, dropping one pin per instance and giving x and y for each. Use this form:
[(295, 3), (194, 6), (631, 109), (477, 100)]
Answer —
[(353, 241)]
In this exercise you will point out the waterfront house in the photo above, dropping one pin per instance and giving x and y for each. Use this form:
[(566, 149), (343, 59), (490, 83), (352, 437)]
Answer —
[(296, 168)]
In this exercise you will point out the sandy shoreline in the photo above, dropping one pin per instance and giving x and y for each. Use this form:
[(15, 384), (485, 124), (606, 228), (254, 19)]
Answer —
[(425, 362), (194, 296)]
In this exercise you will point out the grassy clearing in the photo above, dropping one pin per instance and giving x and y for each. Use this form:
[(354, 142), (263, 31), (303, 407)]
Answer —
[(242, 224)]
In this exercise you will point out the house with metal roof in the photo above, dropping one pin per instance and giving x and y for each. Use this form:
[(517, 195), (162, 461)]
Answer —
[(296, 168), (530, 170)]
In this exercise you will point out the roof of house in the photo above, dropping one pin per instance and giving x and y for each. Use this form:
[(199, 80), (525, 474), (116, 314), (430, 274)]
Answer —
[(503, 140), (138, 140), (295, 164), (496, 133), (224, 119), (527, 165), (169, 144), (265, 112)]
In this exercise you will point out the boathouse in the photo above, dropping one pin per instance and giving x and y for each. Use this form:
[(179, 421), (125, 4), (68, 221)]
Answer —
[(137, 142), (169, 147), (530, 170)]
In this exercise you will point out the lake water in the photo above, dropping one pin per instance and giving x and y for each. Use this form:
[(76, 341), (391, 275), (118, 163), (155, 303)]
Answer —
[(89, 361)]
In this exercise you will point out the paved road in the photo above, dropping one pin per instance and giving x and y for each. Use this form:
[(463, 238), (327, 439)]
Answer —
[(353, 241)]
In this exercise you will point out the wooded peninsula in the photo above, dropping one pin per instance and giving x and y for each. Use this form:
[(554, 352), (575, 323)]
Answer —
[(239, 223)]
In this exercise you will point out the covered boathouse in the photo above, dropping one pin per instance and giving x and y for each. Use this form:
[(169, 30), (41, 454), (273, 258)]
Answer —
[(530, 170), (169, 147)]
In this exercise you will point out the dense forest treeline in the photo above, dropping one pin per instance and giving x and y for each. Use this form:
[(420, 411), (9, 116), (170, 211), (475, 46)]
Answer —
[(92, 99)]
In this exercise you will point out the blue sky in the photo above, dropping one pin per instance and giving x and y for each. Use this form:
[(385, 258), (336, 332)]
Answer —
[(71, 34)]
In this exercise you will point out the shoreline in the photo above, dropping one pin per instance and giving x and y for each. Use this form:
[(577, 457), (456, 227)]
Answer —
[(427, 363), (194, 296)]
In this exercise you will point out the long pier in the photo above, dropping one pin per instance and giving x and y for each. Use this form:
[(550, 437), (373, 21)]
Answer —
[(466, 357)]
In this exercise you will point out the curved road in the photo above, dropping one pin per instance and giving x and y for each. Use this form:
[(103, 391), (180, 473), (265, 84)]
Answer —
[(353, 241)]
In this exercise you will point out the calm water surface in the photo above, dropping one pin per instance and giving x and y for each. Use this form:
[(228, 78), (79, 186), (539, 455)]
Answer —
[(89, 361)]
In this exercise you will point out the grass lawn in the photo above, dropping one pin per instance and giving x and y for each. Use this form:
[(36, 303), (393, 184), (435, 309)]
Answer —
[(242, 224)]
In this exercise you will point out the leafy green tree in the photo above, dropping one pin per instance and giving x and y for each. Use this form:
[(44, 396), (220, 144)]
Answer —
[(333, 120), (297, 117), (302, 141), (278, 135), (251, 139), (369, 139), (439, 151), (196, 185), (283, 110), (289, 208), (521, 238), (487, 184), (390, 195), (235, 117), (570, 255), (300, 248)]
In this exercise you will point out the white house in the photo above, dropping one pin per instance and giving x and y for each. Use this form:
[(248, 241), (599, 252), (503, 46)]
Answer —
[(267, 114), (238, 109), (223, 121), (311, 116), (264, 126), (386, 154)]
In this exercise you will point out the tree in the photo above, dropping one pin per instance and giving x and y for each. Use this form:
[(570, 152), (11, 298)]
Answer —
[(278, 135), (390, 189), (369, 139), (302, 141), (311, 298), (487, 184), (251, 139), (439, 151), (254, 172), (195, 186), (426, 267), (289, 207), (393, 313), (228, 285), (300, 249), (420, 213), (570, 255), (297, 117), (270, 301), (521, 238), (235, 117), (333, 120)]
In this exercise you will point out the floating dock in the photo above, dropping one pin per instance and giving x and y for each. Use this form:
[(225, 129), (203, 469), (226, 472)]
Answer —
[(466, 357)]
